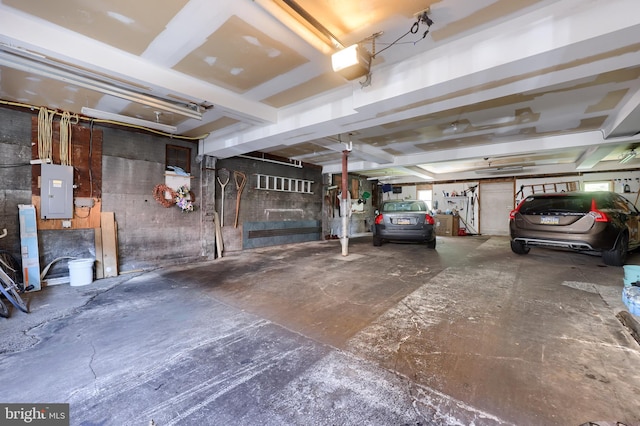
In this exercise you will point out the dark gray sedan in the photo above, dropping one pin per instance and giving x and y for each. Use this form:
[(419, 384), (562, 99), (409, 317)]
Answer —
[(404, 220)]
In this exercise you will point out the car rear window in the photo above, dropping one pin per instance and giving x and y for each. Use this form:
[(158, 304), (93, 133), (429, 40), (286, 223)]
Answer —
[(404, 206), (570, 203)]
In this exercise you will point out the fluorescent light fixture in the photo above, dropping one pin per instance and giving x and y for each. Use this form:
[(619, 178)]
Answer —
[(97, 83), (506, 169), (628, 157), (351, 62), (104, 115)]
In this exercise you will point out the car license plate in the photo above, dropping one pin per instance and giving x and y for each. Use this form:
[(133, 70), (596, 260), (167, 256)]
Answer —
[(549, 220), (404, 222)]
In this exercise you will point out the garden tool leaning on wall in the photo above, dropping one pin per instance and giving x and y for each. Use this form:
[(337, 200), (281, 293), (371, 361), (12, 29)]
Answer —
[(223, 180), (241, 180)]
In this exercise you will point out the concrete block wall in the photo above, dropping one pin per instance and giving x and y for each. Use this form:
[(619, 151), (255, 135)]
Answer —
[(259, 205), (15, 173), (149, 234)]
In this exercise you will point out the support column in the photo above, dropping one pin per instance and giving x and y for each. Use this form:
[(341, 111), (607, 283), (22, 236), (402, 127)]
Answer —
[(345, 208)]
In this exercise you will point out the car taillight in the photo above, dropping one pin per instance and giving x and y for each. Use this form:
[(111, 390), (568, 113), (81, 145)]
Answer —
[(429, 219), (512, 213), (379, 219), (597, 214)]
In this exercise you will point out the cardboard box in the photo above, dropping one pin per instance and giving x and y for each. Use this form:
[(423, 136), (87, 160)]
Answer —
[(447, 225)]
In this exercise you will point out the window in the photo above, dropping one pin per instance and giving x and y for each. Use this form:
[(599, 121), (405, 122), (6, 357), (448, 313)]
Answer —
[(179, 156), (597, 186), (426, 195), (404, 206)]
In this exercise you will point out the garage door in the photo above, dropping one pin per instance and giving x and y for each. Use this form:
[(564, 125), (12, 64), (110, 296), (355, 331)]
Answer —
[(496, 201)]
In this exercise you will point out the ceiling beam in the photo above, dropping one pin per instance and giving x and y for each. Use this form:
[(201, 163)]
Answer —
[(417, 172), (592, 156), (358, 150), (627, 121), (65, 46), (507, 148), (527, 46)]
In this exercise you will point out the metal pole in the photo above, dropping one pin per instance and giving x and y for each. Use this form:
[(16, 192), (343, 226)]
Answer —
[(345, 208)]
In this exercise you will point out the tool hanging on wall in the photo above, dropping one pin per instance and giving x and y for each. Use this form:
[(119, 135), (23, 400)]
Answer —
[(473, 199), (241, 180), (223, 180), (474, 202)]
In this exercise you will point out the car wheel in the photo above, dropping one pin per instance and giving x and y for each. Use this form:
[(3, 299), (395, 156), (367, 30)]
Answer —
[(519, 247), (377, 241), (618, 254), (431, 244)]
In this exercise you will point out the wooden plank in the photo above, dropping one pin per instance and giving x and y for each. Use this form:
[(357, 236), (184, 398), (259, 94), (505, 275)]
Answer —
[(355, 188), (83, 217), (219, 242), (109, 244), (99, 261)]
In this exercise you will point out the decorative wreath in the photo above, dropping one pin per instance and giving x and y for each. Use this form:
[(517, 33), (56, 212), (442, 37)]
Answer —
[(185, 199), (158, 194)]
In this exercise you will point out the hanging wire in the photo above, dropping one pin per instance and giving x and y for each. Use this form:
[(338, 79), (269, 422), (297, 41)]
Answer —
[(423, 18), (392, 43), (65, 139), (9, 166), (99, 121), (45, 134)]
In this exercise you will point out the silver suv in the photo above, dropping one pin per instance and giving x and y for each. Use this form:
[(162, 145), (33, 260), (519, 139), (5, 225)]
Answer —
[(602, 221)]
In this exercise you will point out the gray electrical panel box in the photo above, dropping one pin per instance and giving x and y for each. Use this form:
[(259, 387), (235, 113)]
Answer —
[(56, 192)]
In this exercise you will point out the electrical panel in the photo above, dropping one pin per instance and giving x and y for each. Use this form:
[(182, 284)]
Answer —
[(56, 192)]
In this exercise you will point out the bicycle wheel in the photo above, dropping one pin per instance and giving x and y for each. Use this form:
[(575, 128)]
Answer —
[(4, 312), (10, 291), (12, 267)]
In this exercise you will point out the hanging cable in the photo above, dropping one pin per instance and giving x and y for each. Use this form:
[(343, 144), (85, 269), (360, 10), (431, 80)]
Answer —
[(65, 139), (132, 126), (422, 19), (65, 133), (45, 134), (392, 43)]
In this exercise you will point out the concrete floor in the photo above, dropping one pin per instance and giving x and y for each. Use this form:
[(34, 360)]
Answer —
[(468, 334)]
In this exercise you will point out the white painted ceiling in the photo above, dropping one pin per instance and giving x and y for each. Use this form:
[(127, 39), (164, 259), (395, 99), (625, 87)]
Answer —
[(549, 86)]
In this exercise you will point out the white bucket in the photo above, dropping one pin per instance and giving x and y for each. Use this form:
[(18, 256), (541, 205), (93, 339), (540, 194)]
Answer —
[(81, 272)]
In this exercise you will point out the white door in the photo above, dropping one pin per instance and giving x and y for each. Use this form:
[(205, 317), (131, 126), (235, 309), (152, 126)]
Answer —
[(496, 201)]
